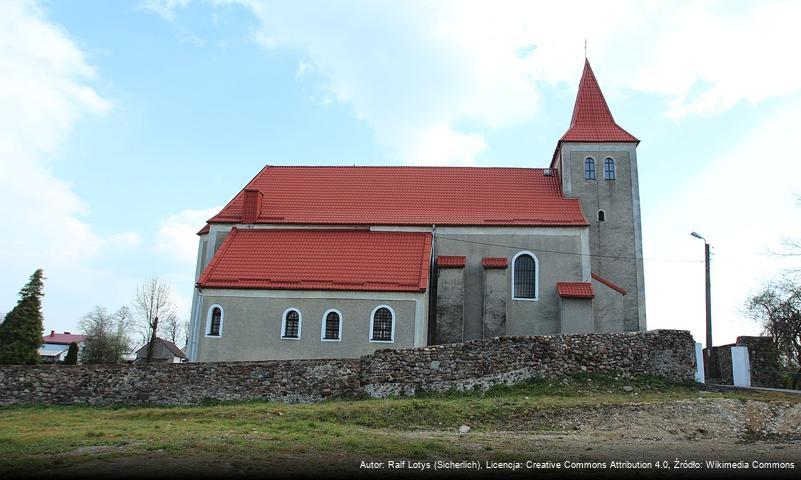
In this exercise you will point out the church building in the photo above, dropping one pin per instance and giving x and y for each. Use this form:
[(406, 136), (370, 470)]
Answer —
[(328, 262)]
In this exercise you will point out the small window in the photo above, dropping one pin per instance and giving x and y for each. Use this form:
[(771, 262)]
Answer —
[(382, 326), (609, 169), (524, 276), (290, 325), (214, 321), (589, 168), (332, 326), (601, 216)]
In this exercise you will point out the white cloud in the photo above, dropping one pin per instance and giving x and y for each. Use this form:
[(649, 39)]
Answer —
[(177, 235), (413, 68), (441, 145), (744, 204), (163, 8), (44, 91)]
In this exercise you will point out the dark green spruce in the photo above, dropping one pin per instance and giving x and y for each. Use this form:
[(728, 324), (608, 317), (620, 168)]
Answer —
[(72, 355), (21, 330)]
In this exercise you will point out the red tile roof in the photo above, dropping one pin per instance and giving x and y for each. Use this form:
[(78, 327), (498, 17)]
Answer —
[(321, 260), (407, 196), (610, 284), (204, 230), (63, 338), (450, 262), (592, 121), (574, 290), (494, 262)]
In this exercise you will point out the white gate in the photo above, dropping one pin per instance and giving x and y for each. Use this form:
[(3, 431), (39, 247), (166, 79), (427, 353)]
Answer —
[(740, 367)]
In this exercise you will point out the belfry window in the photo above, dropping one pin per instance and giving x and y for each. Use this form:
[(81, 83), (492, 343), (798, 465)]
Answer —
[(601, 216), (524, 276), (609, 169), (589, 168)]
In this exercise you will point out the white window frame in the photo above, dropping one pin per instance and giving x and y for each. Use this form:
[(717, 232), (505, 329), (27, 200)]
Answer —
[(283, 323), (322, 326), (536, 277), (208, 321), (372, 321)]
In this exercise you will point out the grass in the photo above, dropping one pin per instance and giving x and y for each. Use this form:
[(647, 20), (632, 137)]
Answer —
[(36, 438)]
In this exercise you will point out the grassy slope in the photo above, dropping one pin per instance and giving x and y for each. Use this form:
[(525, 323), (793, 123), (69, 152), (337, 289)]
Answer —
[(35, 438)]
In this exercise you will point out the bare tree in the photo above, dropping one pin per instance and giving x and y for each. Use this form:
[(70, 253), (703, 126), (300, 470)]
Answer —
[(778, 309), (174, 329), (185, 338), (153, 301), (104, 341), (125, 324)]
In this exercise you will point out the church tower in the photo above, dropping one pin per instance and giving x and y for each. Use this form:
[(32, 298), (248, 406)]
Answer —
[(597, 162)]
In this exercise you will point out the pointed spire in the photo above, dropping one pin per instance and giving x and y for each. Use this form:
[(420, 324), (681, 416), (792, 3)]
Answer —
[(592, 121)]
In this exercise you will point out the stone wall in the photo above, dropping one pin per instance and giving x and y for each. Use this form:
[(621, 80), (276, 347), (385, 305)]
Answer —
[(508, 360), (478, 363), (184, 383), (763, 358)]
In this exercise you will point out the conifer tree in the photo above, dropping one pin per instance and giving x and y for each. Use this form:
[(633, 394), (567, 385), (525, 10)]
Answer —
[(21, 331), (72, 354)]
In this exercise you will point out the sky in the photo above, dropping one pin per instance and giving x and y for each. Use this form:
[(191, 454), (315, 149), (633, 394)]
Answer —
[(125, 125)]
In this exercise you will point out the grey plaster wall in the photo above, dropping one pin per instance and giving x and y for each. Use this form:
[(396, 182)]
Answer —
[(252, 327), (450, 305), (607, 308), (615, 244), (496, 293), (577, 315), (523, 317)]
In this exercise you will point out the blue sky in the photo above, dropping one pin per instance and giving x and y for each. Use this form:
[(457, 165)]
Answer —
[(124, 125)]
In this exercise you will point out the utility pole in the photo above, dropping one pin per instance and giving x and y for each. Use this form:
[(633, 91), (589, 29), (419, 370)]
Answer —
[(708, 356), (708, 298)]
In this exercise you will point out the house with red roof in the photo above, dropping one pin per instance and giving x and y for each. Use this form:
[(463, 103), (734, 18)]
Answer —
[(55, 346), (331, 261)]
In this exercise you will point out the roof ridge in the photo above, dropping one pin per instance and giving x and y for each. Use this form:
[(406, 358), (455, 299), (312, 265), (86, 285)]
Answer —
[(406, 167)]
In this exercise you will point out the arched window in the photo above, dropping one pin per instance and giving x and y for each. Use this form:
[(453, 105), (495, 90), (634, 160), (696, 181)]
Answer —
[(214, 321), (290, 324), (332, 326), (382, 324), (589, 168), (609, 168), (601, 216), (524, 276)]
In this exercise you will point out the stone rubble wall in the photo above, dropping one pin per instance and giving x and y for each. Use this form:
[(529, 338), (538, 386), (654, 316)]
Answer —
[(461, 366), (480, 364), (763, 357), (179, 383)]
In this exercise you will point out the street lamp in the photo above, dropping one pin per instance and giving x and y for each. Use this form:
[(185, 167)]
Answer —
[(708, 301)]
